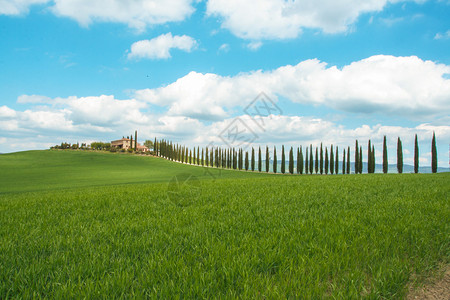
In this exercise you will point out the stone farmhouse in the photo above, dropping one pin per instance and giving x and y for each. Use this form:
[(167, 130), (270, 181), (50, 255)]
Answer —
[(125, 143)]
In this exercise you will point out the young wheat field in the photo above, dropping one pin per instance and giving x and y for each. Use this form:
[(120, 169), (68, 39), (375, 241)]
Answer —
[(79, 224)]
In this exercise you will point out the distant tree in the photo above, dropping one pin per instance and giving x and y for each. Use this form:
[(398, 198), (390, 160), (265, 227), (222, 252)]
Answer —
[(399, 156), (369, 157), (234, 159), (331, 160), (385, 156), (267, 159), (190, 156), (306, 161), (316, 162), (336, 162), (311, 160), (373, 158), (291, 161), (326, 160), (274, 159), (283, 160), (259, 160), (135, 140), (343, 163), (360, 160), (434, 163), (211, 157), (246, 160), (348, 160), (202, 158), (131, 142), (321, 158), (416, 155), (240, 159), (253, 160), (356, 157), (298, 161), (301, 160), (206, 157)]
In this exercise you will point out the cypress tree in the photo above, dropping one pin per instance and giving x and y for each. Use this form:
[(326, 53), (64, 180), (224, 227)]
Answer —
[(360, 160), (321, 158), (253, 160), (331, 160), (154, 148), (311, 160), (206, 157), (298, 160), (416, 155), (356, 157), (234, 159), (182, 154), (336, 162), (216, 158), (343, 163), (198, 155), (306, 161), (373, 159), (240, 159), (316, 162), (274, 159), (291, 161), (301, 160), (190, 157), (399, 156), (348, 160), (369, 157), (211, 157), (326, 160), (131, 143), (259, 160), (203, 161), (434, 162), (246, 160), (267, 159), (283, 160), (385, 156), (135, 140)]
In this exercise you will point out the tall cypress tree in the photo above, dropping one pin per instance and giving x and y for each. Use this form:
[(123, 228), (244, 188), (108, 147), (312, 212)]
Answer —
[(198, 155), (434, 163), (360, 160), (416, 155), (306, 161), (253, 159), (135, 140), (206, 156), (298, 160), (326, 160), (316, 162), (373, 159), (291, 161), (385, 156), (259, 159), (283, 160), (240, 159), (336, 162), (301, 160), (190, 157), (321, 158), (331, 160), (274, 159), (246, 160), (343, 163), (369, 157), (311, 160), (234, 159), (356, 157), (131, 143), (348, 160), (399, 156), (267, 159)]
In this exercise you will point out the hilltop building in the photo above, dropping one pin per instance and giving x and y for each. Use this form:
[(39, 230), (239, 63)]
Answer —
[(125, 143)]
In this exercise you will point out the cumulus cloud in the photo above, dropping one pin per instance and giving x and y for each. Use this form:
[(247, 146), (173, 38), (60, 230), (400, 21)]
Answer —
[(404, 86), (159, 47), (279, 19), (17, 7), (442, 36), (137, 14)]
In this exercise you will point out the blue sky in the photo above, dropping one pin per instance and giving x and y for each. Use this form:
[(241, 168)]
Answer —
[(184, 70)]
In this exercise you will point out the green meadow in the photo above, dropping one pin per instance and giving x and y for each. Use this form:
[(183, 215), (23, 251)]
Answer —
[(77, 224)]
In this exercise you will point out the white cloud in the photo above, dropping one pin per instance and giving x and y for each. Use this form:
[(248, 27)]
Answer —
[(279, 19), (137, 14), (18, 7), (403, 86), (442, 36), (224, 48), (254, 45), (159, 47), (32, 99)]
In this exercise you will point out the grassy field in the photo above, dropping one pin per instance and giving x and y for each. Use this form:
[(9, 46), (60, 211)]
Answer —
[(121, 234)]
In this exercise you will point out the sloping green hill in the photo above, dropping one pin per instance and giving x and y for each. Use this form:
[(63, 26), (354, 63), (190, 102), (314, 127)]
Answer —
[(47, 170)]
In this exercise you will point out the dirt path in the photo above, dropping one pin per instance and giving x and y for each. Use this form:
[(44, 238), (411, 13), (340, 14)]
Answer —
[(436, 289)]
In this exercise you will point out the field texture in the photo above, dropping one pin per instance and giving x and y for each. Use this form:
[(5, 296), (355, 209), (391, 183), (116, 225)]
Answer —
[(352, 236)]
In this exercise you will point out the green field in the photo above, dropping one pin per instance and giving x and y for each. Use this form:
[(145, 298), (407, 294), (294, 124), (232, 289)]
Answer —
[(100, 225)]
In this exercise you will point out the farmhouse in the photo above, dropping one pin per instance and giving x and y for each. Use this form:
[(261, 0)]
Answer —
[(125, 143)]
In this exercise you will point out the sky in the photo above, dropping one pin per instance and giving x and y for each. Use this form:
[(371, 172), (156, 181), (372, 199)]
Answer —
[(227, 73)]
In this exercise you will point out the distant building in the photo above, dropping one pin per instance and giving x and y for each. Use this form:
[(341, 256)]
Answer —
[(125, 143)]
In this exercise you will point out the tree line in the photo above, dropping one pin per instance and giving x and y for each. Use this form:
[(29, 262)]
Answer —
[(309, 160)]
